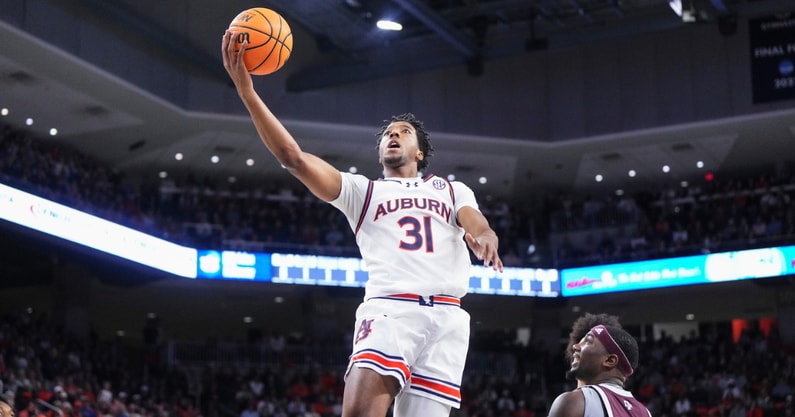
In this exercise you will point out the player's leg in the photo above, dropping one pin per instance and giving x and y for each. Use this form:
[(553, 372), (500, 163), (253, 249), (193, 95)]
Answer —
[(436, 374), (385, 338), (410, 405), (368, 393)]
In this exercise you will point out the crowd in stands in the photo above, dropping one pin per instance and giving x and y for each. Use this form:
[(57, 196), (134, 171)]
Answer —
[(712, 216), (706, 216), (197, 212), (45, 372)]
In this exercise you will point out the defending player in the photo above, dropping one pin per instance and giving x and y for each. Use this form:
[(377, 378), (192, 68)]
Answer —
[(412, 335), (579, 329), (603, 360)]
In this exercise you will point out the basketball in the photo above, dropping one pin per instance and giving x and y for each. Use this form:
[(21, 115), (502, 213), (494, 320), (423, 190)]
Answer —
[(270, 40)]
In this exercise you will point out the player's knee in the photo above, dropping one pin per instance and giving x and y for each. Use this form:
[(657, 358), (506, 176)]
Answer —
[(368, 393)]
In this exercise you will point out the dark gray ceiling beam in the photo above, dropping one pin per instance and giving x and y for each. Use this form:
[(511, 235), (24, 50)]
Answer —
[(491, 7), (581, 10), (335, 75), (332, 76), (441, 26), (664, 19), (171, 41), (719, 5)]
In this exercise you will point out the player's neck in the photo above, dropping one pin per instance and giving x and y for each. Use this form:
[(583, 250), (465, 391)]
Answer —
[(401, 172), (608, 380)]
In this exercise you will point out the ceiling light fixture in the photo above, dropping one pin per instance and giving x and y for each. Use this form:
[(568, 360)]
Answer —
[(676, 6), (385, 24)]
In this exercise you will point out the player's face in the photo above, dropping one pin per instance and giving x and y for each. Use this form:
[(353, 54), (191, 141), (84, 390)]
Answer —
[(399, 145), (587, 358)]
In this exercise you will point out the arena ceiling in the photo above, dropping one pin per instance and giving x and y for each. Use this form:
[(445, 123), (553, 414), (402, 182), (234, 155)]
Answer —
[(37, 78)]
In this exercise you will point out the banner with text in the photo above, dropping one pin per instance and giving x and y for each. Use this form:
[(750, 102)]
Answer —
[(772, 40), (688, 270)]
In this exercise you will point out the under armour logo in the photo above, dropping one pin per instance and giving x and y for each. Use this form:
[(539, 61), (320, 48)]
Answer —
[(627, 405), (416, 184)]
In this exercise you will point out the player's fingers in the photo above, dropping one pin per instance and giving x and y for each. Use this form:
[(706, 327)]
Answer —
[(228, 50), (470, 240), (497, 264), (229, 44), (493, 259), (488, 258), (474, 245), (225, 45)]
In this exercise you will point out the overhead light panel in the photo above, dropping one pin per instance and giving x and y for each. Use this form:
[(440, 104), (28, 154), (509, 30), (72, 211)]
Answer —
[(389, 25), (676, 6), (684, 9)]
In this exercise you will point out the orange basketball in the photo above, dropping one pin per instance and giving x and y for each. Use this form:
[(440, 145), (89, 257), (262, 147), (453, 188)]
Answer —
[(270, 40)]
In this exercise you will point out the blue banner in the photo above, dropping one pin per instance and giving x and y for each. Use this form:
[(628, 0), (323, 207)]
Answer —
[(700, 269)]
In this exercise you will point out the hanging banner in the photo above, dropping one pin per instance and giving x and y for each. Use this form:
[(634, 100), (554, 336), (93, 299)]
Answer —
[(772, 40)]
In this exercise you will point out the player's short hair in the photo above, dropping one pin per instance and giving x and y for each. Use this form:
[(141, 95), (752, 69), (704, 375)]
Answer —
[(626, 342), (423, 138), (584, 324)]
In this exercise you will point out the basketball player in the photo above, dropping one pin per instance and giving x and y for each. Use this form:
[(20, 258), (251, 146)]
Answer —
[(603, 360), (411, 334), (580, 328)]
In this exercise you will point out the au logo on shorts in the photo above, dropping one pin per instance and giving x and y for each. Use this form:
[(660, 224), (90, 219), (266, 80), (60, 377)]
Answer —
[(364, 330)]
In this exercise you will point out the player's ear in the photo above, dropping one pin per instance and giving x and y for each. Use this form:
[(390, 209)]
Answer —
[(611, 361), (420, 156)]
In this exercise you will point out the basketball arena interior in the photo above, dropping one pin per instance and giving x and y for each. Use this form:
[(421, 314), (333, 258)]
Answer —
[(636, 158)]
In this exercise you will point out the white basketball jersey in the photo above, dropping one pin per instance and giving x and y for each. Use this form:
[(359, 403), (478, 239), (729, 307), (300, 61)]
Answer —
[(408, 233)]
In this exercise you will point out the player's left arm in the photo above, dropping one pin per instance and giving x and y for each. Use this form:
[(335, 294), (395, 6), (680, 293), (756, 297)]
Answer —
[(480, 237)]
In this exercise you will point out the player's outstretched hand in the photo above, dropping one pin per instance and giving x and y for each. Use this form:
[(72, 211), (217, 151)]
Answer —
[(233, 61), (485, 249)]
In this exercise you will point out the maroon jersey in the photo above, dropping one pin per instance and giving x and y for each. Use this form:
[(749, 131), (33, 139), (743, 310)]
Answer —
[(610, 400)]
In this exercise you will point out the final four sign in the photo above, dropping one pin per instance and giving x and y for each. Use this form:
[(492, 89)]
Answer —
[(772, 40)]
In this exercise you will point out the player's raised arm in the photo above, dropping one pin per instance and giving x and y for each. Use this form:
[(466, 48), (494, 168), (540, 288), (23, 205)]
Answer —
[(322, 179)]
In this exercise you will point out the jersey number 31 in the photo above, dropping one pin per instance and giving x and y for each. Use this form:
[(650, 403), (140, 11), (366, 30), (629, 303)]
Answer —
[(417, 234)]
